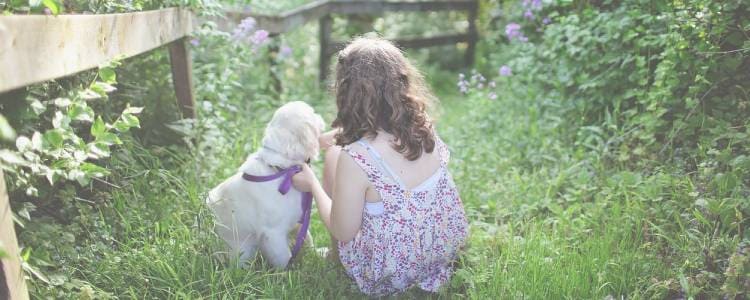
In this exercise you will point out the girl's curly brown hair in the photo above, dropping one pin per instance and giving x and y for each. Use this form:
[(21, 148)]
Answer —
[(377, 88)]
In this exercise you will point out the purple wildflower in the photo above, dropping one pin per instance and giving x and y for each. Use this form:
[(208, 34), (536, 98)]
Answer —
[(492, 95), (536, 4), (505, 71), (546, 21), (195, 42), (476, 77), (247, 24), (528, 15), (463, 88), (260, 37), (463, 85), (513, 30), (492, 85), (244, 29), (533, 4), (47, 11), (285, 51)]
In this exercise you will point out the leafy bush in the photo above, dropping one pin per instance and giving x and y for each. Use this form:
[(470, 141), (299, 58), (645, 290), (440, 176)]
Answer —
[(656, 87)]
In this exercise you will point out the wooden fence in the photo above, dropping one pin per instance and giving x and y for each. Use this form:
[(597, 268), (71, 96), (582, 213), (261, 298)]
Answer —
[(37, 48), (322, 11)]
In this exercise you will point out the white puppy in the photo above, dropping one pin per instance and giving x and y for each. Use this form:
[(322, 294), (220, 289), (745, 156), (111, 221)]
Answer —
[(254, 214)]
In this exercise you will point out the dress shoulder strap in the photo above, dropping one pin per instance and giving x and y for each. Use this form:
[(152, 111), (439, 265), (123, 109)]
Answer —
[(374, 174), (442, 149)]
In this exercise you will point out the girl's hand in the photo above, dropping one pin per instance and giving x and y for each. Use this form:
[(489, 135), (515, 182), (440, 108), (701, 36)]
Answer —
[(305, 181), (327, 139)]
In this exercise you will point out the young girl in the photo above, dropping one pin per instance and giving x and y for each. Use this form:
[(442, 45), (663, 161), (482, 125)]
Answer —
[(388, 198)]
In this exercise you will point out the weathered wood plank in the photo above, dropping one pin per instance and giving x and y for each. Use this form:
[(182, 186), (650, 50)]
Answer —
[(182, 77), (473, 35), (412, 43), (315, 10), (36, 48), (362, 7), (285, 21), (11, 266), (325, 47)]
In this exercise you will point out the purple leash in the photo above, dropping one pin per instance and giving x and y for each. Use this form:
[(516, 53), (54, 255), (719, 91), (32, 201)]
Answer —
[(284, 187)]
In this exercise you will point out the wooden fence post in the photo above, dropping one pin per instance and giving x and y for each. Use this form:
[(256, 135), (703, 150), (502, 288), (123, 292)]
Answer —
[(273, 58), (182, 76), (10, 267), (473, 35), (325, 40)]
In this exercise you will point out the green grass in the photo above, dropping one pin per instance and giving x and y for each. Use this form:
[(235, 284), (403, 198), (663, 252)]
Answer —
[(549, 220), (546, 222), (153, 238)]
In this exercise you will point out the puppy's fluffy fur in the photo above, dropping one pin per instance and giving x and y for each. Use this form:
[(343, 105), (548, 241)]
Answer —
[(253, 215)]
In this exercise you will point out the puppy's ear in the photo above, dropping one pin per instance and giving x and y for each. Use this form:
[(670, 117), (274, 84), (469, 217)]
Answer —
[(309, 133), (286, 140)]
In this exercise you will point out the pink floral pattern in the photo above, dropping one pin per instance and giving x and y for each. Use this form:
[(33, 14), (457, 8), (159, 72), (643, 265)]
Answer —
[(414, 241)]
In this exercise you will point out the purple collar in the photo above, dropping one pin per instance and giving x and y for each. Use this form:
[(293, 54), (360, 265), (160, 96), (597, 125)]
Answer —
[(284, 187)]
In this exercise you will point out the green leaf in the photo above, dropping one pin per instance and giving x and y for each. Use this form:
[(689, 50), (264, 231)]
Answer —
[(131, 120), (98, 128), (102, 88), (53, 6), (34, 3), (133, 110), (78, 176), (93, 170), (80, 111), (98, 150), (37, 107), (126, 121), (52, 175), (62, 102), (36, 141), (108, 139), (107, 75), (6, 132), (89, 94), (11, 158), (60, 120), (26, 210), (23, 143), (53, 139)]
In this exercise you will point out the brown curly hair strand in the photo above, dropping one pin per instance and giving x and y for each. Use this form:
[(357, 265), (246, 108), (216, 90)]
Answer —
[(377, 88)]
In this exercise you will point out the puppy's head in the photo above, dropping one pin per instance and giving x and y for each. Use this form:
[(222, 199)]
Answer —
[(291, 137)]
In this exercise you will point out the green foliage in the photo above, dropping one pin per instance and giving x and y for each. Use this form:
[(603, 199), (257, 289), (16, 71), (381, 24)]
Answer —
[(62, 145), (64, 150), (652, 94)]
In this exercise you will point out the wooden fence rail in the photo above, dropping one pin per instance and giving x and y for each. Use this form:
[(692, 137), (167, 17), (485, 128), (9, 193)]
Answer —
[(322, 10), (36, 48)]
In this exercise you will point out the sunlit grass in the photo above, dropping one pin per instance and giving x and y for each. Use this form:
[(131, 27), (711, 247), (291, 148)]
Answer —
[(525, 242)]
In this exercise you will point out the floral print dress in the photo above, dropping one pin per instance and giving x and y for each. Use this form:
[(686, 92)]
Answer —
[(412, 236)]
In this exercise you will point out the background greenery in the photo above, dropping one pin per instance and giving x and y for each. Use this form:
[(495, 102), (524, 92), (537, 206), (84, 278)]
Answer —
[(609, 159)]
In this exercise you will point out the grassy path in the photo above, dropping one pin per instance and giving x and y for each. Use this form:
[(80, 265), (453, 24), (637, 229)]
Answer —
[(538, 229)]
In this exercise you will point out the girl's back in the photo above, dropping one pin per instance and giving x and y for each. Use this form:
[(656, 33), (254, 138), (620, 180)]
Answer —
[(413, 222)]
